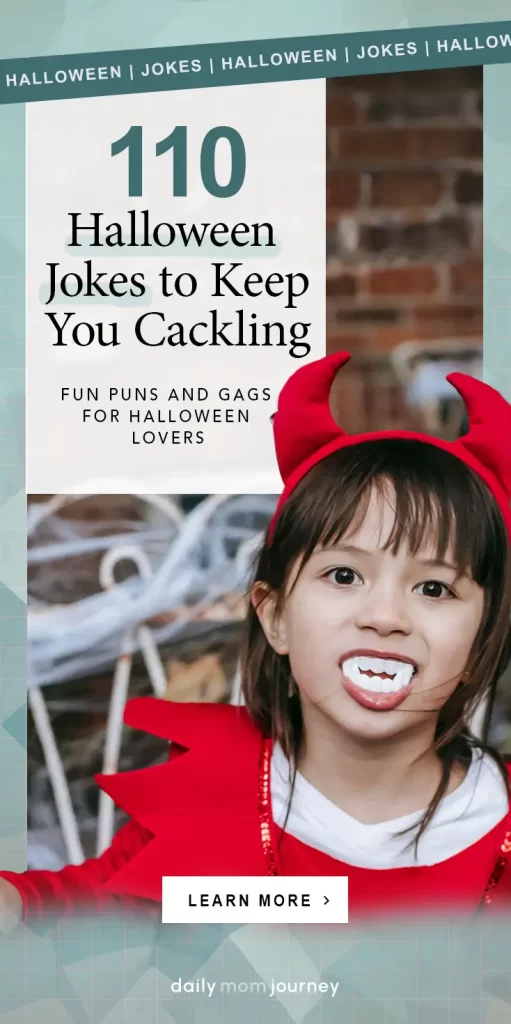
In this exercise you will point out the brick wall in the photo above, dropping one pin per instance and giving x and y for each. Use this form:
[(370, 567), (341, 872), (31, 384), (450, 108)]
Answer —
[(404, 209)]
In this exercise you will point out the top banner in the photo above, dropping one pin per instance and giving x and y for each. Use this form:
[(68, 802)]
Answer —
[(112, 73)]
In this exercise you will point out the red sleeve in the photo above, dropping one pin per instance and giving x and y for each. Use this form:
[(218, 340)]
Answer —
[(81, 886)]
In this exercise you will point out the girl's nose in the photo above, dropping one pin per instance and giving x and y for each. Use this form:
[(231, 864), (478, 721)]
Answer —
[(384, 610)]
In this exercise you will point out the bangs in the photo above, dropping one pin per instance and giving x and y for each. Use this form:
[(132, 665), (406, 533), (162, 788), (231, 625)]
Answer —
[(438, 503)]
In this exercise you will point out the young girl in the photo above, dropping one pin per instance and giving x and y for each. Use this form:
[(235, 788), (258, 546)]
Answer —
[(379, 622)]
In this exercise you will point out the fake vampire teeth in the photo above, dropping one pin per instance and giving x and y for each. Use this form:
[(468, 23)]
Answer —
[(379, 675), (378, 682)]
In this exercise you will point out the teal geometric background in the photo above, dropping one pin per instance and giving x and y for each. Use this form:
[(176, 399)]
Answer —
[(121, 971), (12, 493), (128, 972), (30, 28)]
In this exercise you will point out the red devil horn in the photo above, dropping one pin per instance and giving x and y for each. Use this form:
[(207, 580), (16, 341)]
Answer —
[(303, 422), (489, 433)]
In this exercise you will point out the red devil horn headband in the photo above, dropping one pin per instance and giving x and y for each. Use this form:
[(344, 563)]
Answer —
[(306, 433)]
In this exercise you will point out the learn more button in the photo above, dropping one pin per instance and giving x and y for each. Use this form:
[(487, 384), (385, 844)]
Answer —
[(254, 900)]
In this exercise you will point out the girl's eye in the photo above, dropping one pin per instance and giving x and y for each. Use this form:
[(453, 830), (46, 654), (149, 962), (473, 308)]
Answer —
[(434, 588), (343, 576)]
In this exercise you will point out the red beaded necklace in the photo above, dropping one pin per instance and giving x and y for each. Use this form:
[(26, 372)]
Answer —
[(265, 807), (266, 831)]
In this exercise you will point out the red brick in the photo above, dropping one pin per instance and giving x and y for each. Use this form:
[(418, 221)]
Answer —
[(468, 188), (443, 321), (104, 507), (341, 109), (361, 316), (333, 244), (345, 285), (414, 105), (419, 239), (332, 220), (477, 234), (417, 271), (384, 339), (467, 279), (332, 146), (447, 143), (372, 145), (406, 188), (416, 280), (446, 311), (342, 189), (437, 79), (338, 341), (375, 145), (347, 400)]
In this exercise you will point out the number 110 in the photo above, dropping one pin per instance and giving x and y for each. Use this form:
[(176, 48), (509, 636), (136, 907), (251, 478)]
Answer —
[(177, 142)]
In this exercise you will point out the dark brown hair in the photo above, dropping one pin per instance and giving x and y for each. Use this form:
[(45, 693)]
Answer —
[(435, 495)]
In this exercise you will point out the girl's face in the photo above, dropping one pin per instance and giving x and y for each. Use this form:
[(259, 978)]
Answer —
[(377, 642)]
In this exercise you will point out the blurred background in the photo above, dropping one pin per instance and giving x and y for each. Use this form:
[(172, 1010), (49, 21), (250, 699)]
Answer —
[(404, 242), (128, 595), (135, 595)]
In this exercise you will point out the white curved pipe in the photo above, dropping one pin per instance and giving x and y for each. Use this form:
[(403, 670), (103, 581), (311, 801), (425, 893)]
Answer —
[(113, 739), (57, 775), (153, 663)]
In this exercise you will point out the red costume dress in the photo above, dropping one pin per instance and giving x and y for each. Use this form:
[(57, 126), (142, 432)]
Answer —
[(207, 811)]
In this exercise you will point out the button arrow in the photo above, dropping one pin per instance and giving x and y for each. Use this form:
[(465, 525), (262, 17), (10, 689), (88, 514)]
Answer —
[(326, 900)]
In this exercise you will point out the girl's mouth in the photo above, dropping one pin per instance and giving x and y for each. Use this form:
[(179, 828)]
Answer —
[(377, 681)]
